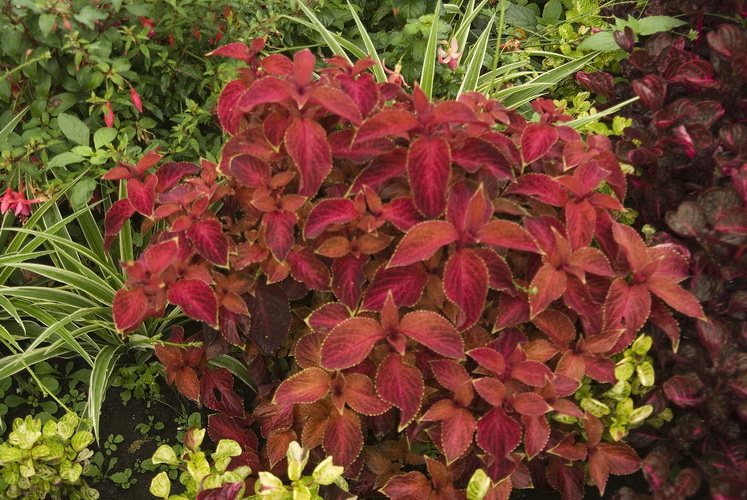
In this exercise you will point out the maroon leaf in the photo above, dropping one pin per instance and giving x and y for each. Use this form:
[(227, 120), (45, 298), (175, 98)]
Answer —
[(422, 241), (324, 319), (142, 196), (401, 385), (652, 90), (363, 90), (406, 284), (506, 234), (306, 142), (343, 438), (130, 308), (530, 404), (429, 168), (228, 101), (309, 270), (491, 390), (477, 153), (497, 433), (250, 171), (359, 395), (683, 391), (411, 486), (350, 342), (171, 173), (536, 435), (386, 123), (269, 309), (279, 232), (336, 102), (216, 392), (348, 278), (326, 212), (541, 187), (117, 215), (466, 284), (207, 237), (567, 479), (196, 299), (307, 386), (433, 331), (598, 82), (227, 491), (548, 285), (627, 305), (456, 434), (536, 141), (674, 295)]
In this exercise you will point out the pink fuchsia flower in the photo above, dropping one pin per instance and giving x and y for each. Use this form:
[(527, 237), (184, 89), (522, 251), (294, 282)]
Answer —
[(395, 76), (108, 115), (16, 202), (451, 55)]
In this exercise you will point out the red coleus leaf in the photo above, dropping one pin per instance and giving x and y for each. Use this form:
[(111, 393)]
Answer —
[(567, 479), (580, 219), (348, 278), (228, 103), (222, 426), (616, 458), (386, 123), (652, 90), (250, 171), (363, 90), (350, 342), (207, 237), (309, 270), (548, 285), (130, 308), (117, 215), (536, 434), (406, 284), (476, 153), (491, 390), (411, 486), (326, 212), (306, 142), (142, 195), (536, 141), (506, 234), (497, 433), (401, 385), (466, 284), (307, 386), (489, 359), (429, 169), (170, 173), (359, 395), (454, 377), (343, 438), (279, 232), (196, 299), (531, 373), (540, 187), (631, 245), (422, 241), (216, 392), (238, 50), (433, 331), (456, 434), (336, 102), (627, 306), (529, 403), (674, 295)]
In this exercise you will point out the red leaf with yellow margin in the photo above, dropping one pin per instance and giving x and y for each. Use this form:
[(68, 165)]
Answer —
[(401, 385), (306, 143), (429, 169)]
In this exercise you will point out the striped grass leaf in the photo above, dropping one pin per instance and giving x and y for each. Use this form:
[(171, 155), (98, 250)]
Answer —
[(429, 62)]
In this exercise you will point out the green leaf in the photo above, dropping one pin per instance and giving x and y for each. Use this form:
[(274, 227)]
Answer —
[(7, 129), (46, 23), (326, 34), (89, 14), (475, 59), (103, 367), (552, 11), (81, 193), (580, 122), (104, 136), (73, 128), (370, 47), (655, 24), (521, 17), (429, 63), (599, 41), (64, 159)]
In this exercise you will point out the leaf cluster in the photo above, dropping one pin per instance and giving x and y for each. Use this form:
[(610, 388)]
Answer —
[(46, 461), (459, 269)]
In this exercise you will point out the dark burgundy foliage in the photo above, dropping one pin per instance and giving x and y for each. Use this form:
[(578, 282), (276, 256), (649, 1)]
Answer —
[(688, 144)]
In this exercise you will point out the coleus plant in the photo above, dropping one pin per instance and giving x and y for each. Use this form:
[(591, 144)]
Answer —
[(460, 270), (688, 147)]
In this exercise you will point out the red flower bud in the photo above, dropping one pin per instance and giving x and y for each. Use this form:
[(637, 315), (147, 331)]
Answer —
[(196, 32), (136, 99), (109, 115), (171, 39)]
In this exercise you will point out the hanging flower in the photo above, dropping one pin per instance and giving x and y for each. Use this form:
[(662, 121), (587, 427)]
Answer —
[(395, 76), (136, 99), (16, 201), (109, 115), (451, 55)]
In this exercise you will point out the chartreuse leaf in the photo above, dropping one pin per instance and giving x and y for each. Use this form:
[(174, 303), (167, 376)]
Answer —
[(429, 63), (370, 47), (478, 485), (580, 122)]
